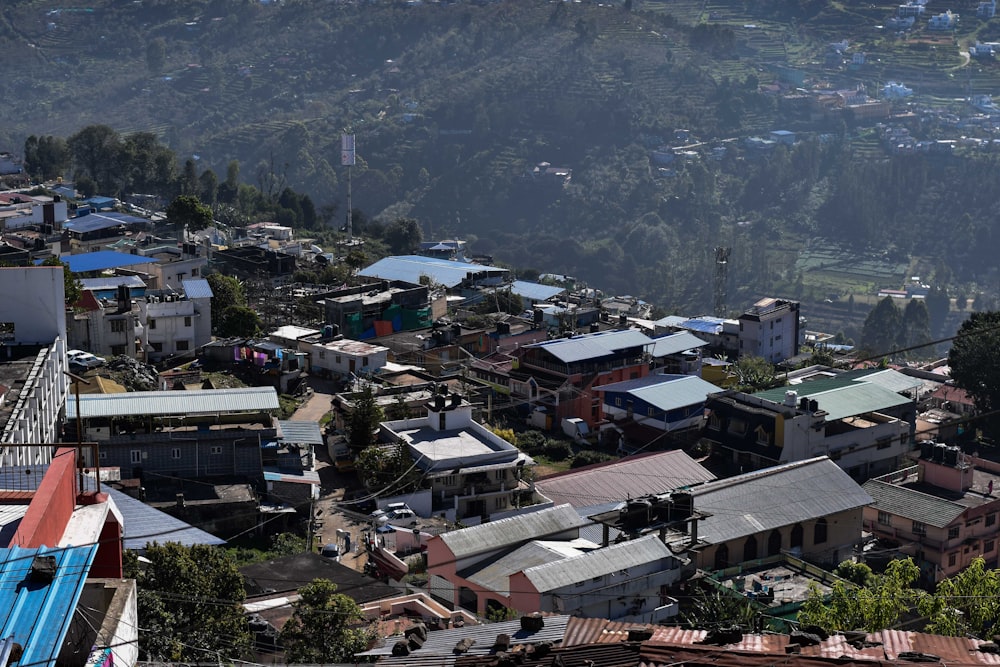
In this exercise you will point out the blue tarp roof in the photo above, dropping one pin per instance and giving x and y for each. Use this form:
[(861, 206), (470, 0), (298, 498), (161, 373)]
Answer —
[(709, 325), (410, 268), (103, 259), (94, 221), (535, 291), (37, 614)]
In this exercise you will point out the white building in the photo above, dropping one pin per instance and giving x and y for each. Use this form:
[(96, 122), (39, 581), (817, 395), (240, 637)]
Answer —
[(345, 357), (770, 329), (178, 323), (33, 381)]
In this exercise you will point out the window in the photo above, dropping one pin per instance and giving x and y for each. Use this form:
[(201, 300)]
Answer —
[(989, 546), (216, 449), (187, 320), (991, 519), (952, 558), (157, 347), (597, 579), (650, 412), (152, 323), (364, 361), (449, 480), (618, 402), (175, 453), (118, 350), (714, 422), (885, 518), (953, 532), (579, 584), (499, 475), (135, 456), (338, 359), (322, 354), (194, 272), (763, 437), (183, 345), (919, 528), (883, 443), (117, 326), (737, 426), (500, 503), (819, 532), (103, 456)]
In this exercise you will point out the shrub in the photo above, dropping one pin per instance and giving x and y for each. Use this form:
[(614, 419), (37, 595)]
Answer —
[(589, 456), (557, 450)]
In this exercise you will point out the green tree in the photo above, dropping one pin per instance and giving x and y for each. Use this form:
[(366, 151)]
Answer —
[(237, 321), (387, 469), (187, 212), (96, 151), (190, 604), (882, 327), (975, 361), (875, 606), (712, 608), (226, 291), (915, 328), (46, 158), (363, 419), (208, 187), (753, 373), (938, 305), (324, 626), (967, 603), (71, 284), (403, 236)]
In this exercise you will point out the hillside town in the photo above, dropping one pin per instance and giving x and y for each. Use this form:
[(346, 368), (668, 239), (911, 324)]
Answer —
[(496, 471)]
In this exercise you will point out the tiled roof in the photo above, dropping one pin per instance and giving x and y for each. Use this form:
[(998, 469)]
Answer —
[(615, 481), (913, 504), (767, 499)]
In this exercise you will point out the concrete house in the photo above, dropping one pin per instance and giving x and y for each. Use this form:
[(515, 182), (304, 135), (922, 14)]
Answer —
[(177, 323), (770, 329)]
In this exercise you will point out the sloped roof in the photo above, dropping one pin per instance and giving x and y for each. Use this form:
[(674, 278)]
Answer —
[(144, 524), (301, 432), (675, 344), (201, 401), (197, 288), (103, 220), (512, 530), (766, 499), (846, 400), (535, 291), (410, 268), (913, 504), (616, 481), (37, 615), (496, 575), (597, 563), (103, 259), (665, 392), (593, 345)]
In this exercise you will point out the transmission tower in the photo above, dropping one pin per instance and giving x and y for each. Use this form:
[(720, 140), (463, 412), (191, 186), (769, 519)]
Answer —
[(721, 279)]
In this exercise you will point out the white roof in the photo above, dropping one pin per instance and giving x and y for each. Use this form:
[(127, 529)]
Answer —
[(198, 401), (598, 563), (512, 530)]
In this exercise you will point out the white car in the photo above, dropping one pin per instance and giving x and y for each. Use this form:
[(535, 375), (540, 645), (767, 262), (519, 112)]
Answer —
[(85, 359)]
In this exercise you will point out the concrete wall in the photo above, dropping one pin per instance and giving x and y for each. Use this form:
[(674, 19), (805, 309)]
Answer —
[(34, 300)]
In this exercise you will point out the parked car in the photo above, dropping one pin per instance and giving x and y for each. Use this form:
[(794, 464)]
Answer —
[(404, 513), (84, 359), (330, 551)]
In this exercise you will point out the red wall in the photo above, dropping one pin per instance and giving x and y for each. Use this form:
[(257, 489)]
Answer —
[(52, 505)]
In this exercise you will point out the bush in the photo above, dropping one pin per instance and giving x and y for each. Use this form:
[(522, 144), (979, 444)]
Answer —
[(557, 450), (531, 442), (589, 456)]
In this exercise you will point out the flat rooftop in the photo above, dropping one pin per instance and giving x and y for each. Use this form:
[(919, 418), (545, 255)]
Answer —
[(13, 375), (355, 347), (436, 446), (788, 582)]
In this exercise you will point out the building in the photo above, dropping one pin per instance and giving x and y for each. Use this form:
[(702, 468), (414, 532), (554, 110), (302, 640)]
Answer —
[(561, 375), (177, 323), (251, 263), (33, 366), (770, 329), (91, 230), (863, 426), (109, 326), (942, 512), (661, 402), (419, 270), (468, 473), (378, 308), (344, 358)]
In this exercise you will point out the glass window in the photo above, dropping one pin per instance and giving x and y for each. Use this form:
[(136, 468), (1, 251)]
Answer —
[(952, 532), (989, 546), (919, 528), (183, 345), (216, 449), (175, 453), (885, 518), (135, 456), (152, 324), (991, 519), (952, 559), (187, 321)]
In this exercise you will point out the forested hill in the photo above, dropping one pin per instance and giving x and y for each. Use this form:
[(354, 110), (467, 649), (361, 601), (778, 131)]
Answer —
[(454, 104)]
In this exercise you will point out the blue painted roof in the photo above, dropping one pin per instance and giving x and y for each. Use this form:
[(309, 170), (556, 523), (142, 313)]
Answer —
[(594, 345), (664, 392), (100, 201), (37, 614), (410, 268), (535, 291), (94, 221), (197, 288), (103, 259)]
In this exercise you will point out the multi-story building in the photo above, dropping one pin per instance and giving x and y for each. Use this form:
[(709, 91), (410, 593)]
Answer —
[(942, 512), (770, 329), (108, 327), (177, 323), (344, 357), (561, 375), (33, 379)]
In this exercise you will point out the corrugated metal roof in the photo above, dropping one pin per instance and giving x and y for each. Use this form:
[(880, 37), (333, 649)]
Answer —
[(597, 563), (144, 524), (766, 499), (103, 259), (37, 615), (512, 530), (632, 477), (200, 401), (300, 432), (709, 325), (442, 642), (665, 392), (410, 268), (197, 288), (840, 397), (111, 282), (593, 345), (886, 378), (104, 220), (675, 344), (535, 291), (496, 575), (913, 504)]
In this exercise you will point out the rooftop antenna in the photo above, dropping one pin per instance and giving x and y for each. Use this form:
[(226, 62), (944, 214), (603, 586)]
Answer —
[(347, 159)]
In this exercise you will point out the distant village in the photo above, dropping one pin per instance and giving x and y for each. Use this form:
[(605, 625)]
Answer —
[(759, 496)]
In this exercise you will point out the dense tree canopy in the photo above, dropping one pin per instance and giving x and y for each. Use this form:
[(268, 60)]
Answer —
[(363, 419), (190, 604), (186, 212), (325, 626), (975, 362)]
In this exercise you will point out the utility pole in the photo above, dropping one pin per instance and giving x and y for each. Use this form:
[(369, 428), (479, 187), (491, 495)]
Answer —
[(347, 159)]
